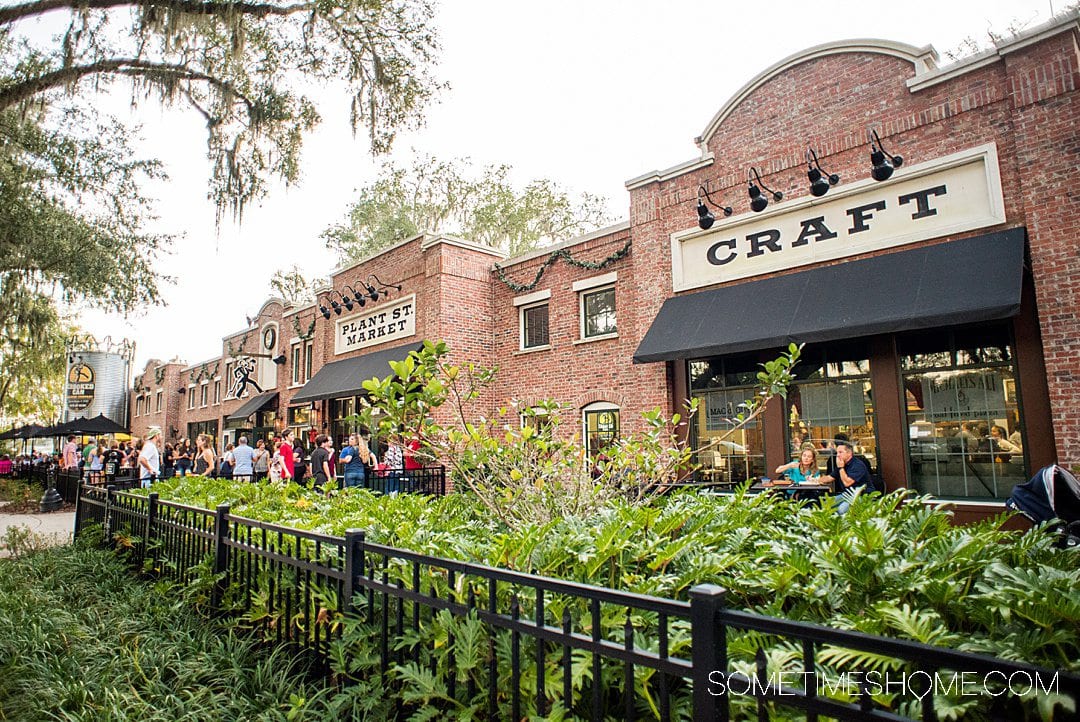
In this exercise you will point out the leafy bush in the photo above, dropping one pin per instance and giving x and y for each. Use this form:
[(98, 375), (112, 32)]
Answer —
[(80, 639)]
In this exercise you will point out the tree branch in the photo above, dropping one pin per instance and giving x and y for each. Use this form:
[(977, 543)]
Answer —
[(22, 11), (18, 92)]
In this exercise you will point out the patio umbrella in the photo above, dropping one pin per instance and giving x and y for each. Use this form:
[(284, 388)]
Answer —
[(28, 431), (100, 424), (12, 433)]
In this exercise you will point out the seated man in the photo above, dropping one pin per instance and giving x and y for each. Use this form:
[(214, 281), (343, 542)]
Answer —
[(850, 476)]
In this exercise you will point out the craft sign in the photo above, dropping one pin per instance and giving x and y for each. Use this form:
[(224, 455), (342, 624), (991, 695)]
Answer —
[(957, 193), (389, 322)]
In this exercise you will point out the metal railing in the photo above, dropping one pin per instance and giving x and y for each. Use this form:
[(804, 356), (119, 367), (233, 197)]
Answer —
[(502, 640)]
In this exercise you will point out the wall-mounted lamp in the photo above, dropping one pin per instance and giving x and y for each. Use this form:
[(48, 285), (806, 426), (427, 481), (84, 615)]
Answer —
[(819, 186), (334, 305), (358, 297), (705, 216), (373, 293), (280, 360), (883, 163), (758, 201)]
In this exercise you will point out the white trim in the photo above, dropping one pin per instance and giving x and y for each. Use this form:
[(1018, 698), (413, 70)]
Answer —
[(425, 244), (521, 325), (605, 337), (546, 250), (1019, 41), (923, 60), (532, 298), (655, 176), (533, 349), (585, 284), (581, 312)]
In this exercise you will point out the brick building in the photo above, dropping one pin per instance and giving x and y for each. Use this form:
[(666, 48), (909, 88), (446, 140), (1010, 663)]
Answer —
[(936, 294)]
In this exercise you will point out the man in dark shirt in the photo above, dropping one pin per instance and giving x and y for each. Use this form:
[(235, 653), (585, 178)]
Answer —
[(852, 474), (320, 460)]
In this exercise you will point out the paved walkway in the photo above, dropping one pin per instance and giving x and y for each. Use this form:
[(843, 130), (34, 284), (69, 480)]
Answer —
[(53, 528)]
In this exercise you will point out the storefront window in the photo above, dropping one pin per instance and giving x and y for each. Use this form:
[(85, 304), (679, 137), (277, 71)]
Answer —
[(340, 427), (724, 386), (209, 428), (964, 419), (601, 427), (830, 399)]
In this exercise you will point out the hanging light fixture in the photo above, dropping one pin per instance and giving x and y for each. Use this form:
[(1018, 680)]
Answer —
[(360, 298), (705, 216), (819, 186), (882, 162), (758, 201), (373, 293)]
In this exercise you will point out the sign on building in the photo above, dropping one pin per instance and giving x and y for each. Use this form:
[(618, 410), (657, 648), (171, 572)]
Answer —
[(389, 322)]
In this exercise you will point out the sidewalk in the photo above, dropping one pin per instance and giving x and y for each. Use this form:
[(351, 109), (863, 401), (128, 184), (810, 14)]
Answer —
[(54, 528)]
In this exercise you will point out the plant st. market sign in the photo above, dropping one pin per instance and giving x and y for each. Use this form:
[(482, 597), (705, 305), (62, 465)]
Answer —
[(389, 322), (957, 193)]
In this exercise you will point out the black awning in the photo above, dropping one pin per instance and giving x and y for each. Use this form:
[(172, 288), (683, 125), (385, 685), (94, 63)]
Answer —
[(249, 407), (346, 377), (965, 281)]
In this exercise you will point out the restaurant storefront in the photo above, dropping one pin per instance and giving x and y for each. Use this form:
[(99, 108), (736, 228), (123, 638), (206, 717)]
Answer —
[(934, 293)]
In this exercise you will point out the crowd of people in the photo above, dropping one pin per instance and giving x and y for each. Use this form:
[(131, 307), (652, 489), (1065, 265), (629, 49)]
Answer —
[(279, 458)]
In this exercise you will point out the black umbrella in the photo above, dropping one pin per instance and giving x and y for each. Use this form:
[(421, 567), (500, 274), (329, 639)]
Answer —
[(100, 424), (12, 433), (44, 432), (28, 431)]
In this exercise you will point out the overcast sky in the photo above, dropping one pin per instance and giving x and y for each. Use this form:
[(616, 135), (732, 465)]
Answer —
[(588, 93)]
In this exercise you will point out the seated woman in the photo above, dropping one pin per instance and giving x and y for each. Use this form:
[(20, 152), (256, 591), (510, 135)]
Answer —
[(803, 470)]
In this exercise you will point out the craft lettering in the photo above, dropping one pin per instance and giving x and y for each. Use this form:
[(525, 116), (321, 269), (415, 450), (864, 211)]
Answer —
[(860, 219)]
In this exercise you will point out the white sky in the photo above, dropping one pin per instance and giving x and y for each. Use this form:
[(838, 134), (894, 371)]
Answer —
[(589, 93)]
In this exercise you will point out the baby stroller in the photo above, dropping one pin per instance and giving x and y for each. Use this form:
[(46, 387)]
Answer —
[(1053, 494)]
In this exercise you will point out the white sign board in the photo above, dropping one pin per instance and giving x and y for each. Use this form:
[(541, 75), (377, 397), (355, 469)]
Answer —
[(952, 395), (389, 322), (957, 193)]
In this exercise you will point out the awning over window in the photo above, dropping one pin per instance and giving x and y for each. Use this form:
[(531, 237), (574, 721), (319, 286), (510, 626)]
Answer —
[(249, 407), (965, 281), (346, 378)]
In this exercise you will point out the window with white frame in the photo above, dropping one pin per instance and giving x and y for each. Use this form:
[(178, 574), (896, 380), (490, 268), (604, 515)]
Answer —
[(203, 393), (296, 367), (601, 422), (217, 391), (535, 327), (228, 378), (138, 405), (159, 400), (191, 396), (537, 418), (596, 306)]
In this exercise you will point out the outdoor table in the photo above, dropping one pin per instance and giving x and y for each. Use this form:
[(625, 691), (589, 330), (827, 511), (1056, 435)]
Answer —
[(806, 490)]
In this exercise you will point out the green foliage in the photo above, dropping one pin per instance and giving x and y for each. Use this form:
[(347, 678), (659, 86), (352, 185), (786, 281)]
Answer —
[(246, 68), (80, 639), (893, 566), (448, 197), (520, 464)]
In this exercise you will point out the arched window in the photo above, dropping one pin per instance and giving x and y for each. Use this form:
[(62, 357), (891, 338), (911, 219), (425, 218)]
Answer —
[(601, 424)]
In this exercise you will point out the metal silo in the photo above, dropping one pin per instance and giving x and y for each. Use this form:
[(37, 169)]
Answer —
[(98, 379)]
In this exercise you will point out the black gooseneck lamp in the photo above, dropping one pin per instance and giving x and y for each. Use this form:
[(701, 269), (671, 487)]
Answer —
[(358, 297), (705, 216), (373, 293), (758, 201), (820, 181), (334, 305), (882, 162)]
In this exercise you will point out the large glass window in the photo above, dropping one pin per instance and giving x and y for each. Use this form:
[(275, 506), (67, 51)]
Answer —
[(724, 385), (831, 399), (601, 427), (964, 419), (534, 326), (598, 313)]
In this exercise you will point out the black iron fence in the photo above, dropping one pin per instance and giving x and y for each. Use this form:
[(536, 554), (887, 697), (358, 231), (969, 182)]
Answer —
[(506, 644)]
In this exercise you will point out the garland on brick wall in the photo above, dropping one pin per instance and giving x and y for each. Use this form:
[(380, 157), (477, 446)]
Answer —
[(159, 375), (304, 335), (243, 342), (204, 372), (140, 387), (565, 255)]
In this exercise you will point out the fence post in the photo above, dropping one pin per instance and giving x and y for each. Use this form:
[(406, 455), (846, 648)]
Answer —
[(78, 512), (221, 553), (151, 517), (708, 638), (354, 565), (107, 526)]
